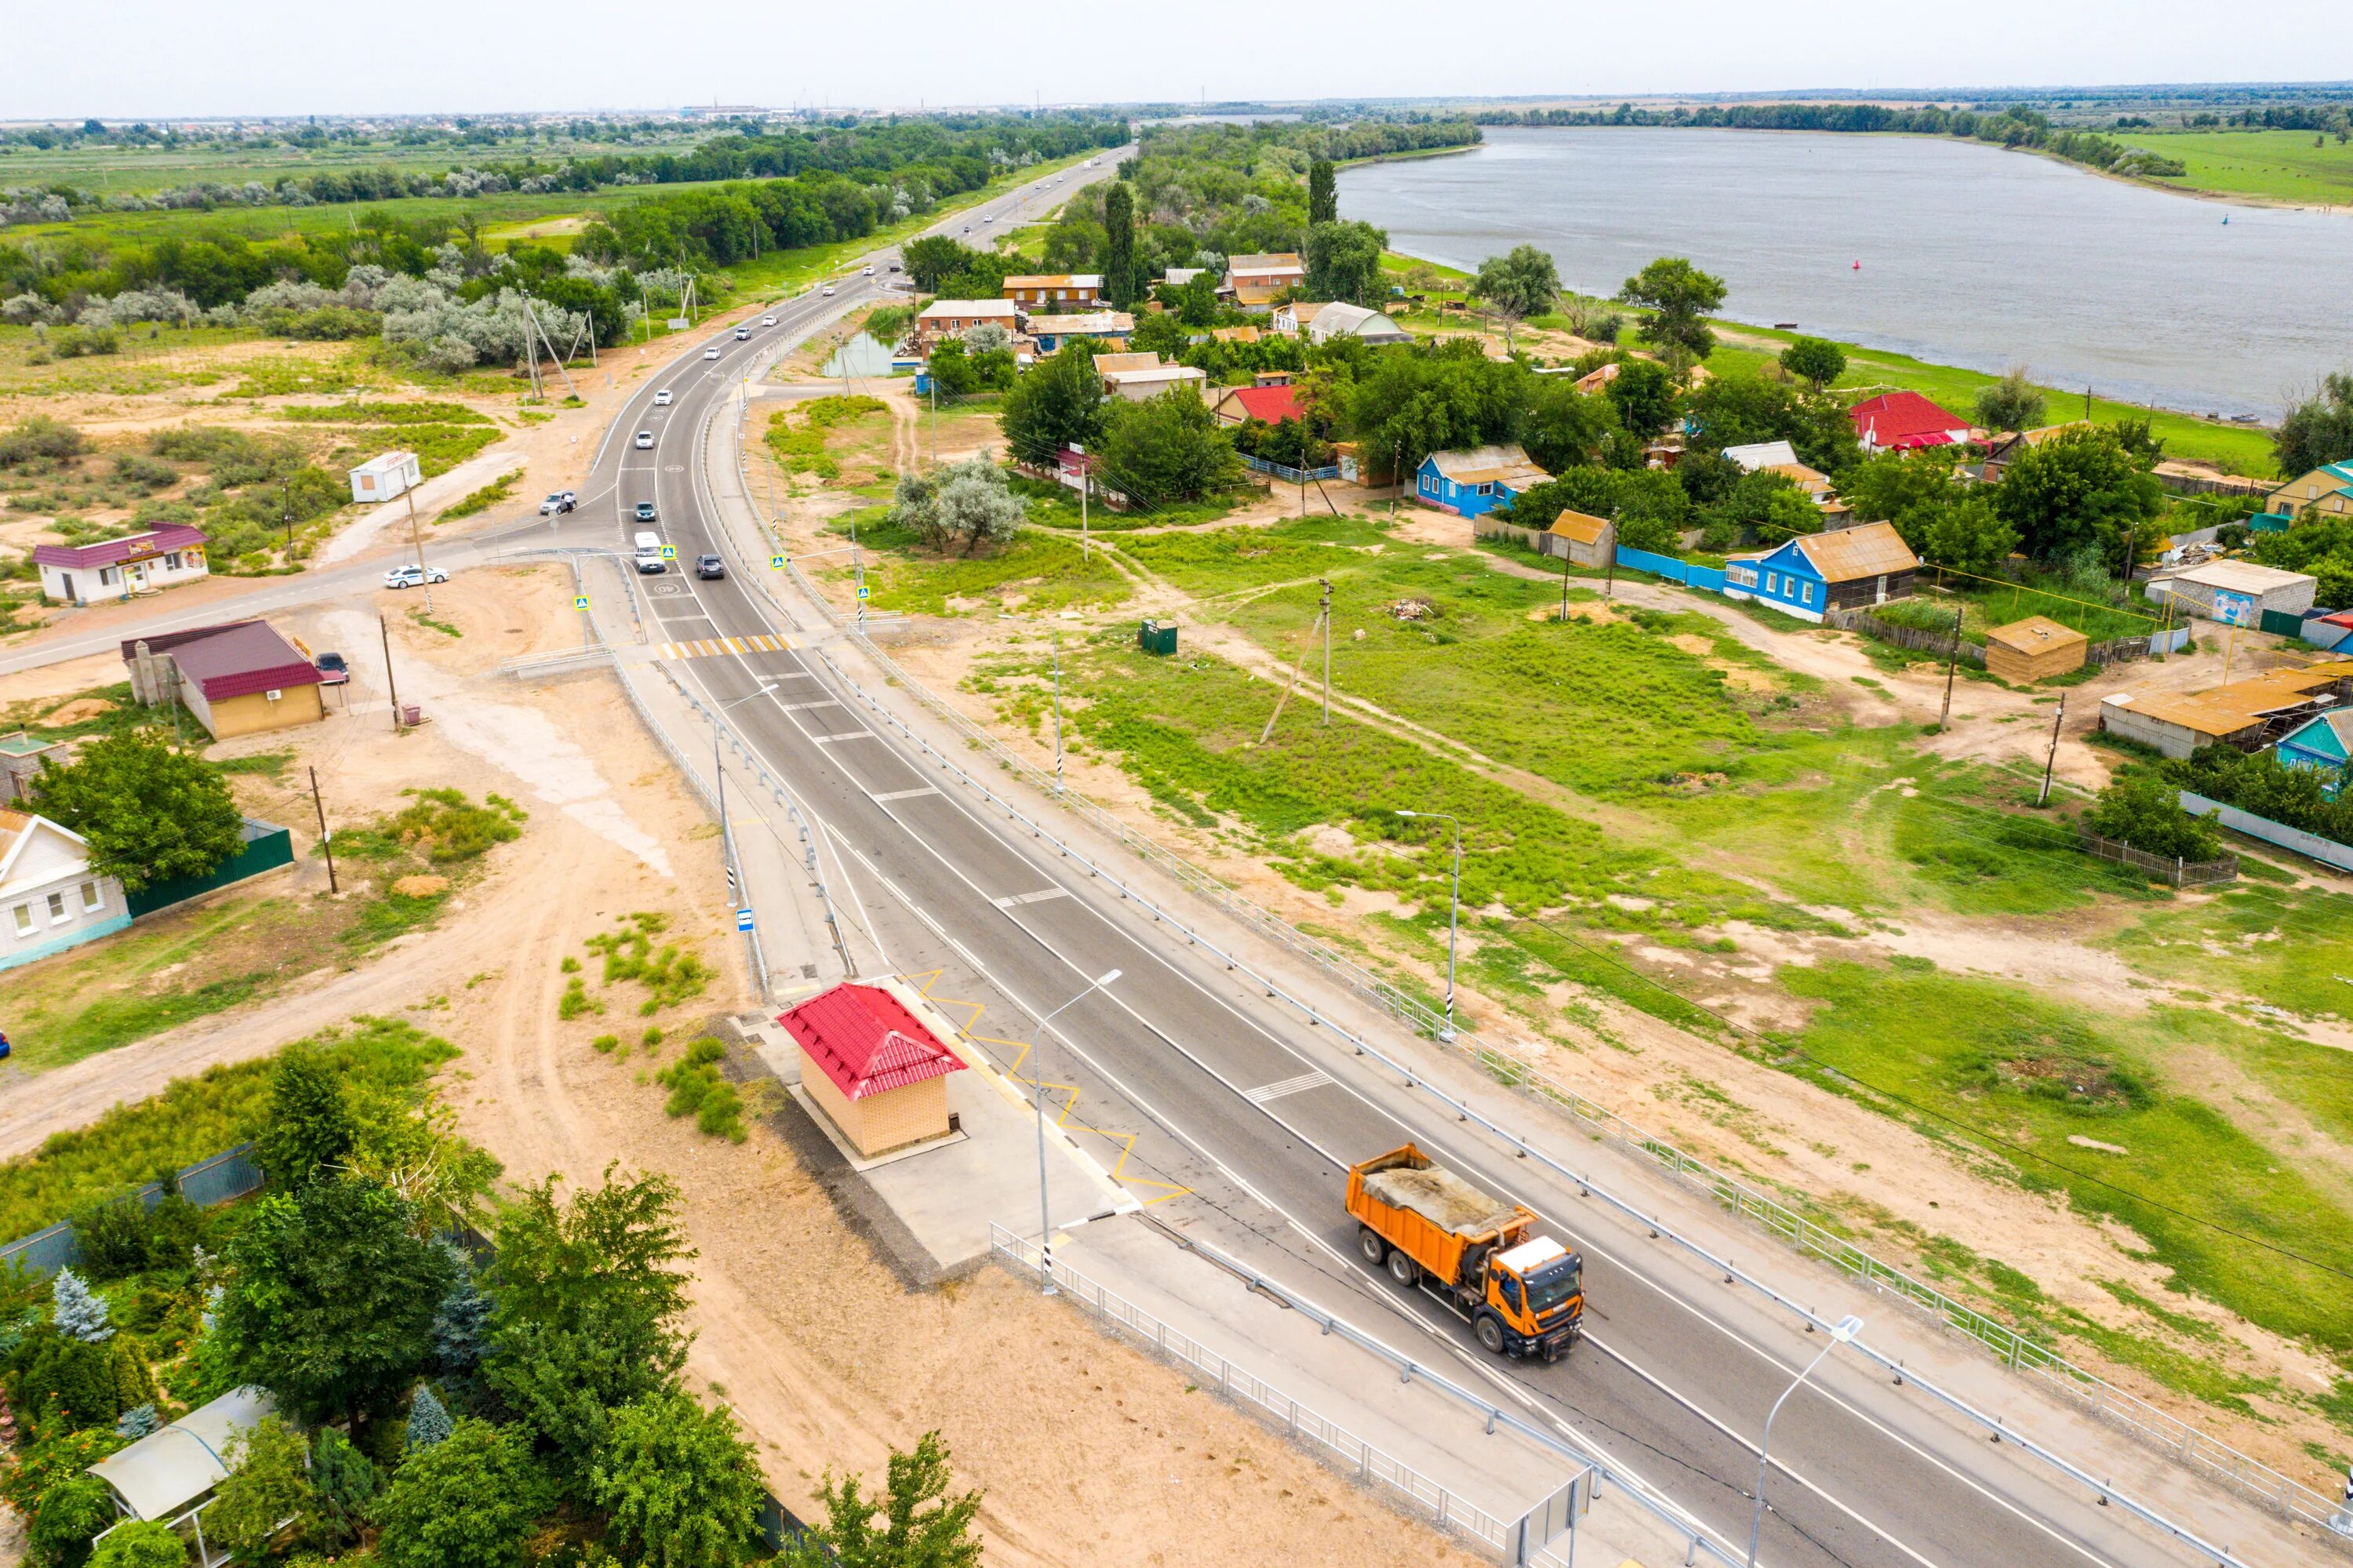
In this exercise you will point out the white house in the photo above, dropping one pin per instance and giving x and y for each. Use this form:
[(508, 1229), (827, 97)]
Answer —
[(1762, 454), (48, 899), (381, 478), (118, 568)]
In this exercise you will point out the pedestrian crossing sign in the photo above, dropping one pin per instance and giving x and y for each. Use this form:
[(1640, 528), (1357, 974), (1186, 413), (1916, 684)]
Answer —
[(669, 552), (580, 601), (775, 562), (863, 590)]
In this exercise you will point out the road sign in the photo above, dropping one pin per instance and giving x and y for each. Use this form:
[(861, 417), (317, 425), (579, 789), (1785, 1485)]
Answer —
[(580, 601), (775, 562), (863, 590), (669, 552), (680, 323), (744, 919)]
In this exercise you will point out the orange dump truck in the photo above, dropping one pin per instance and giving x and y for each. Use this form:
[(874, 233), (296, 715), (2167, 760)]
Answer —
[(1522, 1294)]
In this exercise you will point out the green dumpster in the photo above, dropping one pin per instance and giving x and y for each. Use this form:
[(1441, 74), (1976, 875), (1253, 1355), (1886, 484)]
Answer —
[(1156, 637)]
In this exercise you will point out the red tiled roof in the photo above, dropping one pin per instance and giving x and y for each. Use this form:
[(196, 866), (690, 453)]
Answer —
[(238, 660), (109, 552), (1271, 404), (866, 1041), (1904, 420)]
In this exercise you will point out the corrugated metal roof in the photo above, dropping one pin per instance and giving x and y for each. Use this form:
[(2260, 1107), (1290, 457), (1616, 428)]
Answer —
[(1111, 364), (1056, 281), (865, 1040), (1870, 551), (1267, 261), (2226, 710), (164, 1472), (968, 308), (130, 547), (2035, 634), (1506, 464), (2241, 576), (243, 660), (1583, 527)]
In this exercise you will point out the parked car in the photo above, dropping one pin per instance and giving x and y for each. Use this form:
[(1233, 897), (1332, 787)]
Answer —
[(558, 501), (710, 353), (413, 577), (743, 334), (709, 567), (645, 440), (645, 511), (332, 671), (768, 321), (661, 399)]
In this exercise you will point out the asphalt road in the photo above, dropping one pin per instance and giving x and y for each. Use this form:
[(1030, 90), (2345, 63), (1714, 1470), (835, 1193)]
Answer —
[(1671, 1383)]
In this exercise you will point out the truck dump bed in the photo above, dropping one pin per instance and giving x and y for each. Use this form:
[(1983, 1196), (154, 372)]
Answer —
[(1441, 1197)]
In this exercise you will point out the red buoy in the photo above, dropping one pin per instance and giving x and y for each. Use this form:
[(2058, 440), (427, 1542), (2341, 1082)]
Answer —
[(1858, 266)]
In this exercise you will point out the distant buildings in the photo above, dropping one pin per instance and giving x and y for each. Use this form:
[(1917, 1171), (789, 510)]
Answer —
[(1050, 332), (1267, 405), (1063, 290), (1339, 320), (1139, 377), (118, 568), (1255, 280), (953, 318)]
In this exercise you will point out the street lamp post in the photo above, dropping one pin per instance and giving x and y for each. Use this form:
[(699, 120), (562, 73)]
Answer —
[(1454, 914), (1045, 1222), (1847, 1329)]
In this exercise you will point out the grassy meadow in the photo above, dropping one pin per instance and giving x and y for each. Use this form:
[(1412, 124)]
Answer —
[(2275, 165)]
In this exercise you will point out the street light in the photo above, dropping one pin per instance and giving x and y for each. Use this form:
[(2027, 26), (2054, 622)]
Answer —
[(1454, 916), (1045, 1224), (1846, 1329)]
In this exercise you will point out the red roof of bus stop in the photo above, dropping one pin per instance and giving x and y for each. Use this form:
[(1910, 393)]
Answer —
[(866, 1041)]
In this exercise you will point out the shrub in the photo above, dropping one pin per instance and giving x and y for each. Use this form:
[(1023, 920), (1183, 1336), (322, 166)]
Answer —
[(482, 500), (70, 1512), (468, 1502), (41, 441), (697, 1089), (2145, 812), (141, 1543)]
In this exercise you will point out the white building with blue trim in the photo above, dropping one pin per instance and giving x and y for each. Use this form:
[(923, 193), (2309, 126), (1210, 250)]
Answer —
[(49, 901)]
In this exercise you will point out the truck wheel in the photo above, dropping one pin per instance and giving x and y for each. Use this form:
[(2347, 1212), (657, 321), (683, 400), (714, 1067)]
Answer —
[(1404, 1270), (1370, 1243), (1490, 1333)]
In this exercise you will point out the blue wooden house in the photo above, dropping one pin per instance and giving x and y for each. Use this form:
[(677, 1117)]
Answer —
[(1847, 568), (1474, 483), (2324, 743)]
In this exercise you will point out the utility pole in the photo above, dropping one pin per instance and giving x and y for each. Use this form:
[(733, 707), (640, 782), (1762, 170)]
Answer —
[(390, 685), (1564, 583), (326, 839), (1609, 567), (416, 542), (1323, 614), (936, 421), (1086, 485), (286, 517), (1952, 665), (1058, 715), (2051, 760)]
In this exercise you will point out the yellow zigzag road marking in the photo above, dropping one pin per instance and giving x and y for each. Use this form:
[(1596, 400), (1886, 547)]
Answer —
[(1020, 1049), (713, 647)]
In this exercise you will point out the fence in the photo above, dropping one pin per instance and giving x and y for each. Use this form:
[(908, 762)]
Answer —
[(229, 1175), (1923, 641), (1294, 475), (2327, 852), (2174, 869), (264, 846), (2187, 1444)]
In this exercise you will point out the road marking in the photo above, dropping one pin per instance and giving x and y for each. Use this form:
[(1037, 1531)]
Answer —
[(905, 794), (1015, 900), (804, 708), (846, 735), (716, 647), (1282, 1086)]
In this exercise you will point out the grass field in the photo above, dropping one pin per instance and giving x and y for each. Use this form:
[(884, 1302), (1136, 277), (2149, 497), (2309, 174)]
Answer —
[(2278, 165), (112, 170)]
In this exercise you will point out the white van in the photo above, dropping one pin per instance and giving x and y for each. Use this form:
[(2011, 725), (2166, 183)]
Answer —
[(649, 551)]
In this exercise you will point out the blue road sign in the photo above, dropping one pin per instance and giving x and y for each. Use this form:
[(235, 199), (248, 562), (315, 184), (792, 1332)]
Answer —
[(580, 601), (863, 590), (744, 919), (669, 552), (775, 562)]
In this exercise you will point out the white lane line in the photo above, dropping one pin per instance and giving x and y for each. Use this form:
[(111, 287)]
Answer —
[(1015, 900), (846, 735), (903, 794), (804, 708), (1278, 1089)]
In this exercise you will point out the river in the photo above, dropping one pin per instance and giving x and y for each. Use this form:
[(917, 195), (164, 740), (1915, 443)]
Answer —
[(1971, 255)]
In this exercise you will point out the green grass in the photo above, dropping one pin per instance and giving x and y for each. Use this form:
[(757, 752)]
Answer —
[(2286, 944), (2035, 1070), (2280, 165), (112, 170), (482, 500), (1044, 571)]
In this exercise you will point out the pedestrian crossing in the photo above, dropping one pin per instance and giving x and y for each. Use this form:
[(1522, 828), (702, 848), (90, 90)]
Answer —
[(715, 646), (1278, 1089)]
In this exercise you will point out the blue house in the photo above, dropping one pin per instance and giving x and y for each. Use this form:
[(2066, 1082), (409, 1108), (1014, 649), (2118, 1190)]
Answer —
[(2324, 743), (1846, 568), (1474, 483)]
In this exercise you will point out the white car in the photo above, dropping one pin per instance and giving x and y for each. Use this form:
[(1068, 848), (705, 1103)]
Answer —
[(771, 321), (661, 399), (829, 290), (558, 501), (988, 220), (710, 353), (413, 577), (645, 440), (743, 335), (870, 269)]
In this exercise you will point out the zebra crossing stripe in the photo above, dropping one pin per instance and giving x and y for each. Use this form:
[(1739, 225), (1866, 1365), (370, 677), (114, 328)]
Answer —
[(1275, 1091), (711, 647)]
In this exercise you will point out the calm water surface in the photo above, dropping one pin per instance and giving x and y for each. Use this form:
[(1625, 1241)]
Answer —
[(1971, 255)]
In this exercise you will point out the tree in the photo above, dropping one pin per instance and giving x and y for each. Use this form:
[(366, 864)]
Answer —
[(1968, 536), (605, 1250), (141, 1543), (1643, 391), (462, 1332), (469, 1502), (915, 507), (2011, 403), (921, 1525), (429, 1421), (680, 1486), (345, 1483), (331, 1298), (1565, 428), (1323, 193), (976, 504), (1772, 506), (2145, 812), (1816, 361), (1165, 449), (268, 1484), (1058, 404), (1344, 263), (934, 259), (1521, 283), (77, 1311), (70, 1513), (1735, 411), (1679, 297), (1122, 273), (2318, 430), (150, 813), (562, 1385), (2079, 489), (1194, 301), (309, 1130), (1433, 398), (952, 371)]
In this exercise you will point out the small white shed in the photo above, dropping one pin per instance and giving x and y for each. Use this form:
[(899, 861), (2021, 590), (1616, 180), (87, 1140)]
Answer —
[(169, 1475), (381, 478)]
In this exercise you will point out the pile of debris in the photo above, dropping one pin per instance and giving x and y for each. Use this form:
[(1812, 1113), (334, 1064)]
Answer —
[(1414, 609)]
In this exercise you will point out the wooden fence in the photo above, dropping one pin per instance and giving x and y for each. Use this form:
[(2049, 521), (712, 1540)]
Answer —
[(1940, 643), (2173, 869)]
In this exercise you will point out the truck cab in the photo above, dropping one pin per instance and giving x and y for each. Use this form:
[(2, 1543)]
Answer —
[(1535, 1292)]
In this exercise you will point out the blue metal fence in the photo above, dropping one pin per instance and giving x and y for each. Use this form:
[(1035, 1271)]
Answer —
[(1666, 566), (1295, 476), (214, 1180)]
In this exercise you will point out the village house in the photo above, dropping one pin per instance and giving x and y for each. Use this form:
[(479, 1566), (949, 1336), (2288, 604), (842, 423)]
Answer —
[(1755, 455), (1597, 379), (2247, 713), (2323, 742), (1138, 376), (1235, 334), (2236, 593), (1904, 421), (953, 318), (1112, 327), (49, 901), (118, 568), (1816, 572), (1472, 482), (2324, 493), (1340, 320), (1063, 290), (237, 679), (1254, 280), (2008, 448), (1267, 405)]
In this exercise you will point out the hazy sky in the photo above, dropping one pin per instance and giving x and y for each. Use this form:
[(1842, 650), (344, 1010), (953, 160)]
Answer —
[(122, 58)]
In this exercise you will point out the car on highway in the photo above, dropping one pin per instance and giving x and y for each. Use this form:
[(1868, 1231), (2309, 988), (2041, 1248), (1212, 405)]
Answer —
[(710, 353), (649, 557), (870, 269), (709, 567), (413, 577), (661, 399), (645, 440), (967, 229), (645, 511), (988, 220), (332, 671), (557, 501), (829, 290), (768, 321), (743, 334)]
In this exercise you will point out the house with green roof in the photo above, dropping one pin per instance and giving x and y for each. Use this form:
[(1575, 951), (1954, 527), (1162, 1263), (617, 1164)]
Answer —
[(2324, 743), (2326, 491)]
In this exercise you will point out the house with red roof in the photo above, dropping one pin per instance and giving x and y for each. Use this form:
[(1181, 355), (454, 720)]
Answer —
[(1903, 421), (237, 679), (877, 1071), (1267, 405), (118, 568)]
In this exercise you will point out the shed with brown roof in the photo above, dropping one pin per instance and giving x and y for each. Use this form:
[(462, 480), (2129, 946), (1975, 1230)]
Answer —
[(2034, 648)]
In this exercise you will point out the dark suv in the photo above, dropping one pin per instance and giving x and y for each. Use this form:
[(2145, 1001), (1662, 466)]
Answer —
[(709, 567)]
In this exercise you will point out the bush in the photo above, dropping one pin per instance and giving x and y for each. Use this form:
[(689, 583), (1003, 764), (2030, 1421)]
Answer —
[(482, 500), (469, 1501), (41, 441), (2294, 797), (2145, 812), (141, 1543), (70, 1512), (696, 1089)]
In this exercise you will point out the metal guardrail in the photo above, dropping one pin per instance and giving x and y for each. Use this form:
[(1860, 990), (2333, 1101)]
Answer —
[(2193, 1449)]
